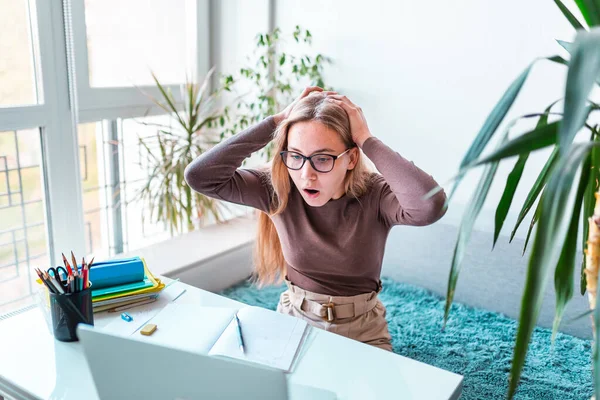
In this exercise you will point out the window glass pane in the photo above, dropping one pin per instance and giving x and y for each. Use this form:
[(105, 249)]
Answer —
[(140, 226), (113, 170), (23, 234), (94, 186), (117, 158), (17, 77), (128, 39)]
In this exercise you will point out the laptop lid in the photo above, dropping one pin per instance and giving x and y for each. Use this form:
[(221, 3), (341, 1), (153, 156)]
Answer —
[(125, 368)]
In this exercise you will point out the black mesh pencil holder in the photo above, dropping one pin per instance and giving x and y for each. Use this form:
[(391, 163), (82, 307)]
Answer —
[(68, 310)]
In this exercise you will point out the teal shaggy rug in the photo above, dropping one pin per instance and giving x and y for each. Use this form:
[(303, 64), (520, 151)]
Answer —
[(477, 344)]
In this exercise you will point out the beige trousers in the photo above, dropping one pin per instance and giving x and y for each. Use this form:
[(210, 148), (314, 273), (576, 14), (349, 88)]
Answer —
[(360, 317)]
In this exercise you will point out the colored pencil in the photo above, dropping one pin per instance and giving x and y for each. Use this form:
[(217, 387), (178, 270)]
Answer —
[(75, 269), (69, 270)]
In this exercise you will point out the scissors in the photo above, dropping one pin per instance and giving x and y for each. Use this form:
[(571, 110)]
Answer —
[(55, 272)]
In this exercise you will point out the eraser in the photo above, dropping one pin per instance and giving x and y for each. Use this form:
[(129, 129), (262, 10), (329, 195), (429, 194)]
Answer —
[(148, 329)]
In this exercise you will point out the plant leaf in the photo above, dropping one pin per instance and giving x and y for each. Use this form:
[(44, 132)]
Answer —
[(536, 189), (513, 181), (559, 60), (568, 46), (507, 196), (170, 101), (567, 13), (538, 138), (582, 315), (584, 69), (557, 210), (466, 227), (534, 219), (590, 11), (563, 275)]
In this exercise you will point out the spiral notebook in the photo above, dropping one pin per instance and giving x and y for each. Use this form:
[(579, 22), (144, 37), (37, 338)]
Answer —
[(270, 338)]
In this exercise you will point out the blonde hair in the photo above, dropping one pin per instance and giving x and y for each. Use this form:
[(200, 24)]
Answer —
[(269, 262)]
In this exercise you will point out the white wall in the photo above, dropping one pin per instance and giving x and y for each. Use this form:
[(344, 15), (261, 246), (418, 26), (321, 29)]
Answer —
[(234, 25), (428, 73)]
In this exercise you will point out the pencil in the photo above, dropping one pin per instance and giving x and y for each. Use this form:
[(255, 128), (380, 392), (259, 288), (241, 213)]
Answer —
[(69, 270), (53, 281), (75, 269), (50, 287), (83, 270)]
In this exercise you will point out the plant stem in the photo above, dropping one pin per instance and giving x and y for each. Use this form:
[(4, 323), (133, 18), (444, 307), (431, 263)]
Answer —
[(592, 254)]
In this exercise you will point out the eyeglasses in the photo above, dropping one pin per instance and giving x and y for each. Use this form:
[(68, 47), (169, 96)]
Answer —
[(319, 162)]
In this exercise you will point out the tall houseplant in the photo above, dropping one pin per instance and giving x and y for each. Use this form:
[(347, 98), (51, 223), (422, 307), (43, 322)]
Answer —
[(566, 187), (272, 76), (193, 131)]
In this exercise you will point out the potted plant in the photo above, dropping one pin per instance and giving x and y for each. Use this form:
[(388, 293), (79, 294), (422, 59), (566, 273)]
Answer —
[(173, 147), (567, 187)]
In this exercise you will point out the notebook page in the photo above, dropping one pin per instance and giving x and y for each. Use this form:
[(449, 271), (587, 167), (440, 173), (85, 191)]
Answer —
[(188, 327), (270, 338)]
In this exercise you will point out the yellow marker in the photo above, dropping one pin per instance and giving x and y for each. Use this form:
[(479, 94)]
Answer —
[(148, 329)]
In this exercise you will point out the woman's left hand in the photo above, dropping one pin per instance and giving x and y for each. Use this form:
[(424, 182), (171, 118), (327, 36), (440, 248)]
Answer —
[(358, 124)]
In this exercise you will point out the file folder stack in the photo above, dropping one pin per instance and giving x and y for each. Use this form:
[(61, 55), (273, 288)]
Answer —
[(124, 282)]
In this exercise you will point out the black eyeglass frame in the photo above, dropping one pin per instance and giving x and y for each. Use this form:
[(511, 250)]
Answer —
[(309, 158)]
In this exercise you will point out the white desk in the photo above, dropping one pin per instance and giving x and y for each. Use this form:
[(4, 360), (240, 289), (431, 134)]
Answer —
[(35, 366)]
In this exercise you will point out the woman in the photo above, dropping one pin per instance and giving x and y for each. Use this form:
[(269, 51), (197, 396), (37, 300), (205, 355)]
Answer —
[(325, 217)]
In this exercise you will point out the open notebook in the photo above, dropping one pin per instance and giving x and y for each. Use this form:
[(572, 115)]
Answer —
[(270, 338)]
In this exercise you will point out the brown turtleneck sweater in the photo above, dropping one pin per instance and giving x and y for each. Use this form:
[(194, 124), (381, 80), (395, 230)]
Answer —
[(336, 249)]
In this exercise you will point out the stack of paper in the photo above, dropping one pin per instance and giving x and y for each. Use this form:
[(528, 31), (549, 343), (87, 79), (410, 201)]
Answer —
[(110, 298)]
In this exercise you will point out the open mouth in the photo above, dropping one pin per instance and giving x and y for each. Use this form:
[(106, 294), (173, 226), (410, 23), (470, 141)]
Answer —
[(311, 192)]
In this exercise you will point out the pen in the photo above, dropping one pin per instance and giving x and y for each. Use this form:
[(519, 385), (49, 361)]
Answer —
[(239, 334), (179, 295)]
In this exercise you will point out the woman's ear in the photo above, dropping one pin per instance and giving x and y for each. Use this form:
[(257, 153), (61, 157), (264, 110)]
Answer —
[(354, 155)]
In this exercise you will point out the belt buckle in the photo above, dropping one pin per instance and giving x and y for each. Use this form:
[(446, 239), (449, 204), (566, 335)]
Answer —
[(329, 313)]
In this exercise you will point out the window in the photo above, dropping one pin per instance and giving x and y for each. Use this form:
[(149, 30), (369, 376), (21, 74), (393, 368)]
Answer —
[(68, 171), (114, 168)]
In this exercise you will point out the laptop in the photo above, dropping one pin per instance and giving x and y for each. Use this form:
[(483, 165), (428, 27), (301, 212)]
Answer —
[(125, 368)]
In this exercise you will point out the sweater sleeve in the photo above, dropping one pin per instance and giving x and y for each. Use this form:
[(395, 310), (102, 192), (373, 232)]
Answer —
[(403, 187), (217, 172)]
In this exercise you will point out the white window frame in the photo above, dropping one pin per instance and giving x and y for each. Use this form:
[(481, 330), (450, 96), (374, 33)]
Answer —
[(125, 102), (59, 111)]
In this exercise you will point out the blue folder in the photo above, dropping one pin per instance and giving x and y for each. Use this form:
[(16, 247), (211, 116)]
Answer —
[(116, 272)]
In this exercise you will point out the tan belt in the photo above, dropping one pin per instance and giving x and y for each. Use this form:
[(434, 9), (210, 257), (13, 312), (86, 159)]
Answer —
[(330, 311)]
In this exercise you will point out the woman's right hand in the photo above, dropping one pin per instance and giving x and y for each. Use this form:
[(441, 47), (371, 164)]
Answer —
[(286, 111)]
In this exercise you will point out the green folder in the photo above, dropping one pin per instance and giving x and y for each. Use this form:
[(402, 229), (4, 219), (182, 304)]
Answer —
[(122, 289)]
